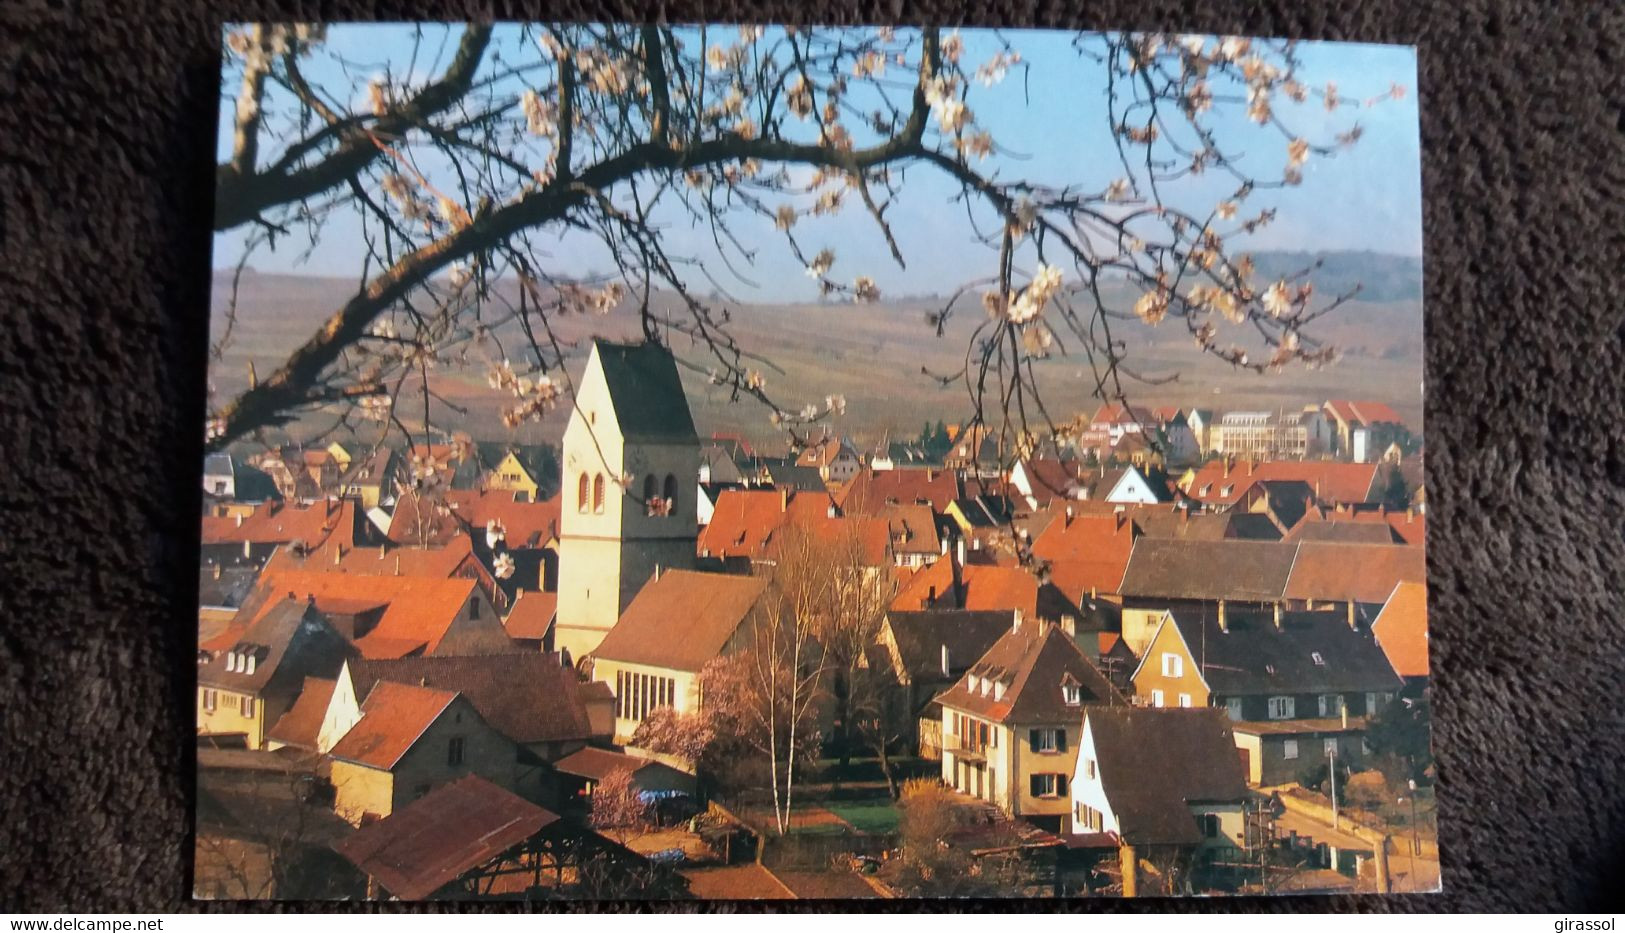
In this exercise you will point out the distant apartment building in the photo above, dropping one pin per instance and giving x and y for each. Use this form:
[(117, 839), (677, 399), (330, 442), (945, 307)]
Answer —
[(1264, 435)]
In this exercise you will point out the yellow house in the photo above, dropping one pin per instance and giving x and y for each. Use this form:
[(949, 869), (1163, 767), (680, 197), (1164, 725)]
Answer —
[(511, 475), (628, 505), (410, 740), (681, 621), (1010, 725), (257, 677)]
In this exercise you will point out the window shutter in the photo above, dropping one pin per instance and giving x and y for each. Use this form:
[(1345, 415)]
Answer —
[(1060, 740), (1032, 742), (1036, 785), (1063, 785)]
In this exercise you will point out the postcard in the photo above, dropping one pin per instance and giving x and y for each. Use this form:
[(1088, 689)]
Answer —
[(752, 461)]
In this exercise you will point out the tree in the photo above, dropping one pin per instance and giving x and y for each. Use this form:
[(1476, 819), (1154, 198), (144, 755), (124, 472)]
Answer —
[(460, 183), (1401, 738), (618, 808), (1396, 495), (930, 866)]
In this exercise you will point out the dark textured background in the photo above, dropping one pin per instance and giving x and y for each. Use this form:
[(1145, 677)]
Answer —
[(106, 136)]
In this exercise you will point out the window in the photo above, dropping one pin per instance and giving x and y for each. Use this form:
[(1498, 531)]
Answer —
[(1172, 665), (583, 494), (1281, 707), (1210, 825), (219, 487), (247, 707), (1156, 698), (598, 494), (1289, 749), (210, 699), (669, 493), (1047, 740), (1232, 708), (1089, 819), (454, 751), (1071, 695), (1048, 785), (1089, 768), (1185, 700), (1329, 746), (474, 609), (651, 492), (1374, 702), (1330, 704), (1315, 657)]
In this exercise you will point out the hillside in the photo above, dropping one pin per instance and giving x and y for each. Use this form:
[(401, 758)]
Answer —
[(874, 354)]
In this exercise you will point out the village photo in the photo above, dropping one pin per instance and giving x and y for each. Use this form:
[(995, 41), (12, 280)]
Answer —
[(734, 462)]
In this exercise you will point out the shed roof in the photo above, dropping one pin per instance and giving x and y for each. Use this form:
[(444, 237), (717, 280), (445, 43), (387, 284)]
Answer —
[(681, 620)]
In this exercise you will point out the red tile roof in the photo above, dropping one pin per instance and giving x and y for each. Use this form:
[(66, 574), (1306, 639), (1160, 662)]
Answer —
[(1332, 481), (1401, 629), (393, 717), (987, 587), (274, 522), (1366, 573), (871, 491), (441, 561), (1363, 413), (682, 620), (532, 615), (301, 723), (1087, 551), (744, 520), (1116, 413), (529, 698), (528, 524), (434, 840), (418, 613), (1033, 662)]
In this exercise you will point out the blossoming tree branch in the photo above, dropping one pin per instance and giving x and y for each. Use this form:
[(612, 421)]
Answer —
[(462, 176)]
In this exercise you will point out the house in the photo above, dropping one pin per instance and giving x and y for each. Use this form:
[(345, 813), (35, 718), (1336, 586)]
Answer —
[(409, 740), (1286, 751), (630, 458), (873, 490), (981, 512), (926, 651), (1401, 630), (1115, 420), (1174, 574), (259, 670), (1137, 485), (833, 458), (382, 616), (1265, 665), (585, 769), (1176, 437), (680, 622), (303, 527), (912, 535), (1220, 484), (1356, 577), (527, 471), (1161, 779), (952, 584), (1041, 481), (1009, 724), (227, 577), (717, 465), (228, 477), (301, 726), (1087, 554), (1201, 421), (1362, 430), (371, 477), (532, 699)]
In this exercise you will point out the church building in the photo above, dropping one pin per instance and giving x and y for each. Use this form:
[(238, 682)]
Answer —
[(630, 460)]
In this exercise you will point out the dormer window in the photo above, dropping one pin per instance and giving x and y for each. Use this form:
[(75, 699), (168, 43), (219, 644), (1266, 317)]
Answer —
[(1315, 657), (1071, 694)]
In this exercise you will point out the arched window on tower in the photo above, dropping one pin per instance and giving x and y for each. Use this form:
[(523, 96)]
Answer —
[(598, 494), (582, 494), (651, 495), (670, 494)]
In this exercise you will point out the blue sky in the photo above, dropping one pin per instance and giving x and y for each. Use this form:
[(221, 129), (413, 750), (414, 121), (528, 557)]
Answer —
[(1365, 198)]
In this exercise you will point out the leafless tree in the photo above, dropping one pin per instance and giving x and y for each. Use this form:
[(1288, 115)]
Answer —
[(461, 180)]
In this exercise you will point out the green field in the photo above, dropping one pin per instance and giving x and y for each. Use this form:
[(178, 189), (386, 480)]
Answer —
[(867, 816)]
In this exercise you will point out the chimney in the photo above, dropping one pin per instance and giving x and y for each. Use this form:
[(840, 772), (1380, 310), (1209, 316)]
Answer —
[(397, 565), (215, 569), (1410, 514), (1352, 624), (1069, 625), (1249, 468), (784, 499), (338, 552), (1343, 703), (239, 520), (248, 549), (946, 667), (1226, 462), (1015, 620), (1224, 622), (959, 551), (930, 474), (382, 550), (657, 573), (1277, 617), (1094, 592), (930, 599), (1068, 522)]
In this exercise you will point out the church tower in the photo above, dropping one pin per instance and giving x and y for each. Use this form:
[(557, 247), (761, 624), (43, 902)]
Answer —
[(630, 466)]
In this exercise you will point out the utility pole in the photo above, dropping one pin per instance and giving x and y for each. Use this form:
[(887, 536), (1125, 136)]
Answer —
[(1331, 762)]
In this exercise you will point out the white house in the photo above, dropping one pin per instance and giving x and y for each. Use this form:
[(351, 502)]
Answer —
[(1134, 487)]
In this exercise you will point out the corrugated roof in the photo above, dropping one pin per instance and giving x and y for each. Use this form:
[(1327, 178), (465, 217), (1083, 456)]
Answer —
[(1154, 763), (682, 620), (393, 717), (435, 839)]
